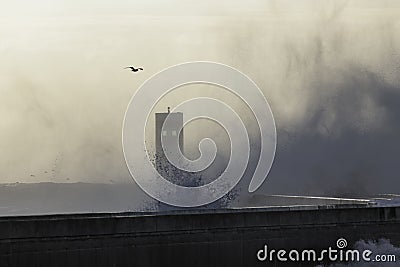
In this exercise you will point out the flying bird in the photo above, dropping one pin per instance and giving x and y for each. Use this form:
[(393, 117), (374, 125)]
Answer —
[(134, 69)]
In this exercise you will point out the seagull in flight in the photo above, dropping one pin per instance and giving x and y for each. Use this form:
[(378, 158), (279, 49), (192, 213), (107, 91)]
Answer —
[(133, 69)]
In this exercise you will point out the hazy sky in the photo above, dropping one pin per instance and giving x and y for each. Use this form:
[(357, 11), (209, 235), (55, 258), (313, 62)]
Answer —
[(64, 92)]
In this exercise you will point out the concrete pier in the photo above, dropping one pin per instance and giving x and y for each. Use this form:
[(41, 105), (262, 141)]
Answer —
[(188, 238)]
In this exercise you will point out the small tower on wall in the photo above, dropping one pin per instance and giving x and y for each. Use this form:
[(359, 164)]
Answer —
[(169, 134)]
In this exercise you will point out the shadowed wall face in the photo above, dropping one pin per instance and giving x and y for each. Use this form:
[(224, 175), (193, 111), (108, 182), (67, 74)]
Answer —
[(193, 238), (169, 133)]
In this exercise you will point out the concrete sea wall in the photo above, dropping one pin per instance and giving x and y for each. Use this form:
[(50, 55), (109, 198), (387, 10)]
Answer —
[(187, 238)]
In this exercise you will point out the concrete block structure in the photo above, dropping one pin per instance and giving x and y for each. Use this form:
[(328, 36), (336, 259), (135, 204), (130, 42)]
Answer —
[(188, 238), (169, 133)]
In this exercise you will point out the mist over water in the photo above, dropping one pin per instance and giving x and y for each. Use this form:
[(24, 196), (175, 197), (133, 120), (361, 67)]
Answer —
[(342, 84), (329, 69)]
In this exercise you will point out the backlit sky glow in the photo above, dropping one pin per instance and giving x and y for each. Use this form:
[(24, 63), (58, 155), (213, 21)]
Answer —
[(64, 92)]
